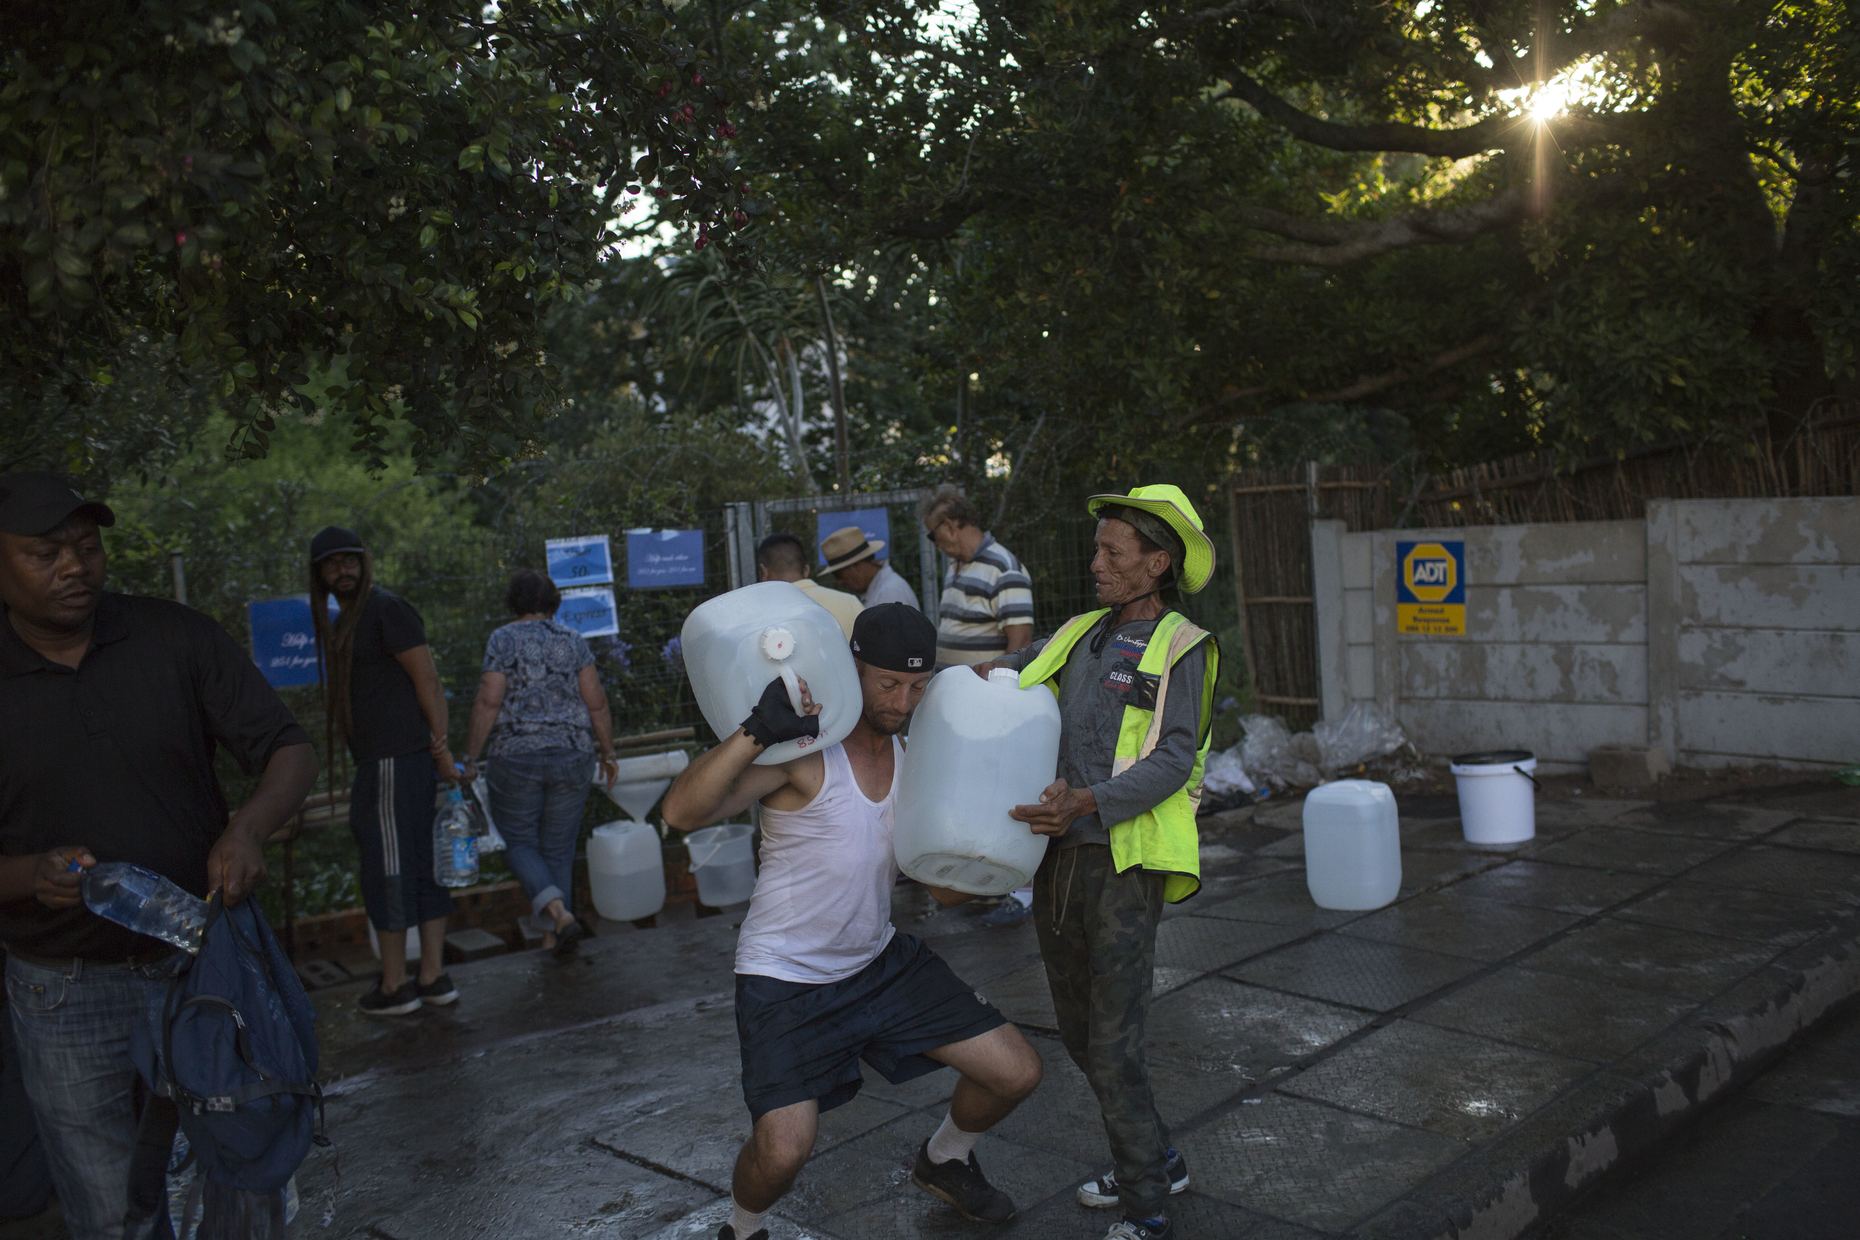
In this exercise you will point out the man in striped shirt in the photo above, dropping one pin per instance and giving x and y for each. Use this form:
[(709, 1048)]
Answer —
[(987, 604)]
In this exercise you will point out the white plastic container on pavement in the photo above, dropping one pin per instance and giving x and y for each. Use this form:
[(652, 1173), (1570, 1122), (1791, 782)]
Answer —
[(626, 871), (1352, 845), (736, 643), (977, 749), (723, 860), (1498, 805)]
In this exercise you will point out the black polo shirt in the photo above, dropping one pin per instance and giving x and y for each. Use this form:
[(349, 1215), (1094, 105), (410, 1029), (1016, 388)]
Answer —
[(117, 755), (384, 709)]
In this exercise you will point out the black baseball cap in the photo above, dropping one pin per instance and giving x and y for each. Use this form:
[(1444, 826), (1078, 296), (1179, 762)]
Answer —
[(334, 540), (896, 637), (33, 503)]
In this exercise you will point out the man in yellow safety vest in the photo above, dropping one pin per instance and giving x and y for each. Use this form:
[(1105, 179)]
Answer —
[(1135, 682)]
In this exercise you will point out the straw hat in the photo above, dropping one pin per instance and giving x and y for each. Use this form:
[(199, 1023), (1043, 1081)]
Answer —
[(847, 545), (1168, 504)]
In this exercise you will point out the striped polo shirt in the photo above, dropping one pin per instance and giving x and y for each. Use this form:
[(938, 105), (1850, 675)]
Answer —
[(980, 599)]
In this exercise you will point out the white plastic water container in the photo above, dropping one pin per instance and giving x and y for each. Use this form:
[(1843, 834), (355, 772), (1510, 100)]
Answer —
[(977, 749), (723, 860), (1497, 805), (1352, 845), (626, 871), (736, 643), (413, 942)]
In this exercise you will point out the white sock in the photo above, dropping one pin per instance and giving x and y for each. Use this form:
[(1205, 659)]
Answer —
[(742, 1222), (950, 1143)]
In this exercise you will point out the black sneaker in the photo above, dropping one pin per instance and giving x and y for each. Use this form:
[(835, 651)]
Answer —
[(377, 1002), (962, 1185), (727, 1232), (1100, 1192), (1141, 1229), (439, 992)]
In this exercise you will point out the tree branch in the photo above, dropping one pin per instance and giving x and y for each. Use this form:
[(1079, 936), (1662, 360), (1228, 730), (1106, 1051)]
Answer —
[(1367, 385), (1486, 135), (1337, 243)]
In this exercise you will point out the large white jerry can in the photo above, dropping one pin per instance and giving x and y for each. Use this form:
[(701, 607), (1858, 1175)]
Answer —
[(977, 749), (735, 643)]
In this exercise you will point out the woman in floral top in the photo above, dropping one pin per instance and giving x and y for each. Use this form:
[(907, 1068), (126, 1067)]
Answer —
[(543, 712)]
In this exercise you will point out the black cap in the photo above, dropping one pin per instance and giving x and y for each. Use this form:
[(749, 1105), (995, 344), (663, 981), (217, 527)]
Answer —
[(33, 503), (896, 637), (334, 540)]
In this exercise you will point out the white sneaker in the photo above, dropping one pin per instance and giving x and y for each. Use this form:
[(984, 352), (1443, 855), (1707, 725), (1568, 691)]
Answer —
[(1100, 1192)]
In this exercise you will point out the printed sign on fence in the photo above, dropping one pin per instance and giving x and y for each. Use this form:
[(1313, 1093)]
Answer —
[(586, 561), (656, 559), (590, 612), (1430, 588), (283, 640), (874, 522)]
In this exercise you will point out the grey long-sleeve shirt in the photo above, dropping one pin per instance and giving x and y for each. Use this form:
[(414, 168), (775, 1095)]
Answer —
[(1093, 691)]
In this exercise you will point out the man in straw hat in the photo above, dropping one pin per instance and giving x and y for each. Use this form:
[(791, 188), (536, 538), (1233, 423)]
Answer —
[(1135, 682), (853, 564), (823, 980)]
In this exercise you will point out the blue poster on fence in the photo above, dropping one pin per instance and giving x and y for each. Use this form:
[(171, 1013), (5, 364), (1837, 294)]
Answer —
[(659, 558), (283, 641), (590, 612), (586, 561), (874, 522)]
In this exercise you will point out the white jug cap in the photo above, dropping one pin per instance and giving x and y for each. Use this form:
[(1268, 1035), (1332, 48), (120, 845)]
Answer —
[(1004, 676), (777, 643)]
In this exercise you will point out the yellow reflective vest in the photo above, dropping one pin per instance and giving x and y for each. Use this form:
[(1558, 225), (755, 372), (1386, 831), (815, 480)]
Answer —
[(1162, 839)]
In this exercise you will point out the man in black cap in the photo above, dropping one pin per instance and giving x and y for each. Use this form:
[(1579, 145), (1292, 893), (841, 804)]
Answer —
[(822, 978), (381, 691), (112, 708)]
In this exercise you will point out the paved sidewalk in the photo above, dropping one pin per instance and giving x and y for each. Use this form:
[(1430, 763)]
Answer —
[(1458, 1064)]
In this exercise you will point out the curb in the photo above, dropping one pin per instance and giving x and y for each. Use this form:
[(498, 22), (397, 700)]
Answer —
[(1629, 1108)]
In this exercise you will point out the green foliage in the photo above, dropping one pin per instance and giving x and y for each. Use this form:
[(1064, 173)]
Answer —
[(386, 197)]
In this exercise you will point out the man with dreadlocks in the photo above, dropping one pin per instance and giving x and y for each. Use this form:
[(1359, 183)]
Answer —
[(1135, 683), (381, 691)]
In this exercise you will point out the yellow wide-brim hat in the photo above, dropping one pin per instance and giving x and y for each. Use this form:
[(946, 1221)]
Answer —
[(1168, 504)]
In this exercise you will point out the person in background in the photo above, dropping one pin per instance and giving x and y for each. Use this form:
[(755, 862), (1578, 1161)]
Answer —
[(823, 979), (541, 717), (986, 611), (113, 709), (1135, 682), (780, 557), (853, 563), (381, 691)]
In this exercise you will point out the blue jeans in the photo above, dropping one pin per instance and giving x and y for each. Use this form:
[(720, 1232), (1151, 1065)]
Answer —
[(71, 1028), (536, 801)]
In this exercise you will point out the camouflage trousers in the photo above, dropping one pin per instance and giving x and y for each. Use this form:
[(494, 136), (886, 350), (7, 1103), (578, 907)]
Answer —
[(1098, 938)]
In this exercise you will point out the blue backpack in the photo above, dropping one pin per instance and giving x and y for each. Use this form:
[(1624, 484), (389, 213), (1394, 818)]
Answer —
[(231, 1042)]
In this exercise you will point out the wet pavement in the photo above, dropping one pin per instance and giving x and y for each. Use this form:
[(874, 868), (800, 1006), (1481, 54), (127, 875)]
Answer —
[(1460, 1063)]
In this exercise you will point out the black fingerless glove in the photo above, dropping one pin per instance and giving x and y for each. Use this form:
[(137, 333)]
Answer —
[(774, 721)]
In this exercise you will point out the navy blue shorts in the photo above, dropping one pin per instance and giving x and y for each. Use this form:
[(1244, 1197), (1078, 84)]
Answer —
[(802, 1041)]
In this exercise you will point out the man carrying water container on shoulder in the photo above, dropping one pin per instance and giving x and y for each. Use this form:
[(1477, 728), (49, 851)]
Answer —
[(822, 978), (1135, 683)]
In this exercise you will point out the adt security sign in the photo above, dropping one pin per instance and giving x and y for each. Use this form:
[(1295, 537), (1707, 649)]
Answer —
[(1430, 588)]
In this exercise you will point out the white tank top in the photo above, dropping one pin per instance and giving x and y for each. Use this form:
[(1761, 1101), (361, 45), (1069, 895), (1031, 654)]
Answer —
[(822, 905)]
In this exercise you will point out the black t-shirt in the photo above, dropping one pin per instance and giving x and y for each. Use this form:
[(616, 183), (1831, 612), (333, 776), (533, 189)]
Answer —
[(384, 711), (117, 755)]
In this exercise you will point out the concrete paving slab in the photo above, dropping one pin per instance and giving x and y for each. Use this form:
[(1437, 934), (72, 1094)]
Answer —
[(1583, 1018), (1457, 925), (1312, 1164), (1207, 944), (1734, 912), (1223, 1026), (1645, 957), (1422, 870), (1568, 889), (1823, 1076), (1356, 972), (1448, 1082), (1832, 834), (1282, 899), (1787, 872), (1450, 836), (1707, 819), (1194, 1215), (1024, 996), (1584, 811), (1622, 849)]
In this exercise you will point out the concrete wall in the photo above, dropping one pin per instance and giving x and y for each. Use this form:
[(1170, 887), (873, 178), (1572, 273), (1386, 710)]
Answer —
[(1723, 631)]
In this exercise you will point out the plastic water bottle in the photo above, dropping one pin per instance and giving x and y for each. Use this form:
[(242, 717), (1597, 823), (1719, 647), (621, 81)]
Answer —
[(455, 841), (145, 902)]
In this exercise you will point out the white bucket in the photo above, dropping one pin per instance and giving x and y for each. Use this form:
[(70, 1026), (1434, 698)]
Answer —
[(1497, 805), (723, 860)]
